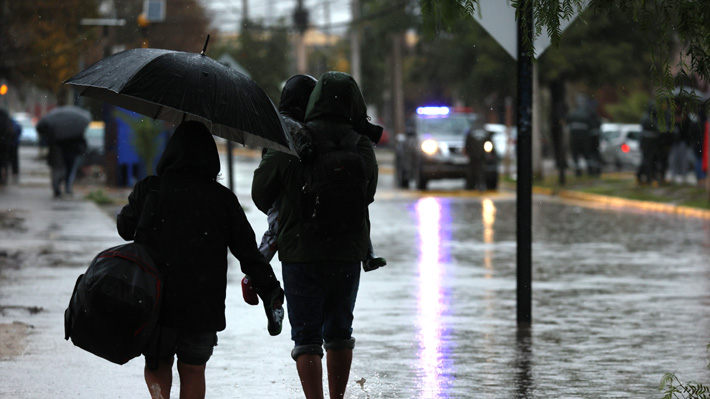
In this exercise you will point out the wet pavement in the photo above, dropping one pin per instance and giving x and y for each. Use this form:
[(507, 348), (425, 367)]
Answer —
[(620, 297)]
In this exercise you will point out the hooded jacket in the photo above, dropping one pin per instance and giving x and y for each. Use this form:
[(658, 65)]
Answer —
[(335, 103), (197, 221)]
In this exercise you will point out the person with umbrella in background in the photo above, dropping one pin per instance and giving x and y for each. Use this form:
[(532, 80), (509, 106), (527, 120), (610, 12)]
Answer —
[(202, 96), (197, 221), (64, 128)]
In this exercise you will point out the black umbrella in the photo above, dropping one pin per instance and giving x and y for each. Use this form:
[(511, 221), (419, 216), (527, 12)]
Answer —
[(176, 86), (65, 123)]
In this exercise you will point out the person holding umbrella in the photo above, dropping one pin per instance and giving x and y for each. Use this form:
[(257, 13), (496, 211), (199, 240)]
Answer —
[(196, 222), (64, 129)]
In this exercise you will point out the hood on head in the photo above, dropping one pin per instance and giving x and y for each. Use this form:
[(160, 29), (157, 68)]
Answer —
[(295, 95), (336, 98), (191, 150)]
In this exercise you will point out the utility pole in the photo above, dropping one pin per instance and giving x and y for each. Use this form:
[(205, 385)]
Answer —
[(326, 15), (537, 166), (300, 20), (397, 87), (110, 130), (230, 144), (355, 41), (524, 149)]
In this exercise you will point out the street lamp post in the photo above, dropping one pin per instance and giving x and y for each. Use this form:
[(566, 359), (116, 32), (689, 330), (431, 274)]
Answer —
[(110, 130)]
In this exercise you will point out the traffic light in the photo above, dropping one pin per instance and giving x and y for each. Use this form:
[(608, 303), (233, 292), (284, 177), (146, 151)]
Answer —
[(3, 89)]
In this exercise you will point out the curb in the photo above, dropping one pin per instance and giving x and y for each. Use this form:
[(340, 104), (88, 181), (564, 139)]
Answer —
[(625, 203)]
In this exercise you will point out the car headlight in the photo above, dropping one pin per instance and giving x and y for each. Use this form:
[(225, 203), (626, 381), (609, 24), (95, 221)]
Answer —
[(488, 146), (430, 147)]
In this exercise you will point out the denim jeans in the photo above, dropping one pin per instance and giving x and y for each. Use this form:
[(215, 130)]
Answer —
[(320, 298)]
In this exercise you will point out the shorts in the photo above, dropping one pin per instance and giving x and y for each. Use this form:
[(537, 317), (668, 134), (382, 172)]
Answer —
[(191, 347), (320, 299)]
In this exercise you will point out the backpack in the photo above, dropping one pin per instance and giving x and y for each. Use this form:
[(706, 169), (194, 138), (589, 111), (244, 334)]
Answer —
[(335, 187), (115, 306)]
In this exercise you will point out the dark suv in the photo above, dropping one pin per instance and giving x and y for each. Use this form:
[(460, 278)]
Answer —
[(433, 146)]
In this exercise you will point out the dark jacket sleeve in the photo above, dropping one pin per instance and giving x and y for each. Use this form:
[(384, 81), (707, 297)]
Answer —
[(127, 219), (368, 156), (242, 244), (267, 185)]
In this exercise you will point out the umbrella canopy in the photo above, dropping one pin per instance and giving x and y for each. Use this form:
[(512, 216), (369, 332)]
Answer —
[(177, 86), (65, 123)]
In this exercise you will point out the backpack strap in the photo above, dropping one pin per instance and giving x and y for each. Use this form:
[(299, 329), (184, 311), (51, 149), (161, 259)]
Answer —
[(351, 139)]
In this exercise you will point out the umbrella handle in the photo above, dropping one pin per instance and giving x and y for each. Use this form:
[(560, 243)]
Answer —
[(204, 49)]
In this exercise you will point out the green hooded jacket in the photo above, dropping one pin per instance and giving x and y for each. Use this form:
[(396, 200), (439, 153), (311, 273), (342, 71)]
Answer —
[(335, 105)]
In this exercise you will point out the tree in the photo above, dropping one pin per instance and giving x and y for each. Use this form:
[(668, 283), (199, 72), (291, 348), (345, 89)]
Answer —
[(185, 27), (264, 53), (464, 65), (42, 40), (665, 24)]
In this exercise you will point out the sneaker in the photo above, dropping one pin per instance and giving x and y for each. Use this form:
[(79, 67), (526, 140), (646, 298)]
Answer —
[(248, 292), (275, 316), (373, 264)]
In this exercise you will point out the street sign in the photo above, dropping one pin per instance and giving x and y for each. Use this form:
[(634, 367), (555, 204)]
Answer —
[(497, 17), (154, 10)]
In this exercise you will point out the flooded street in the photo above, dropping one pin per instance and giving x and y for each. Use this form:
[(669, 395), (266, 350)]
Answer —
[(620, 297)]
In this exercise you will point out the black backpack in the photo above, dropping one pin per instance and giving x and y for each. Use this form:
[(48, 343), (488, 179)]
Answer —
[(335, 187), (115, 306)]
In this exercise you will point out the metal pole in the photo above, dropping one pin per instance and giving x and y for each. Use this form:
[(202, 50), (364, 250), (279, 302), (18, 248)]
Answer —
[(524, 153), (230, 167), (355, 41)]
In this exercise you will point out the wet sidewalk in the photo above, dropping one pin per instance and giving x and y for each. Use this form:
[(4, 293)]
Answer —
[(45, 243), (620, 297)]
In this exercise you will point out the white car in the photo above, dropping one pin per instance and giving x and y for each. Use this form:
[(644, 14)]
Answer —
[(29, 134), (620, 145)]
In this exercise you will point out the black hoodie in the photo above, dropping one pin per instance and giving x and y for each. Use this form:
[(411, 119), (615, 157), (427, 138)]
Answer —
[(197, 220)]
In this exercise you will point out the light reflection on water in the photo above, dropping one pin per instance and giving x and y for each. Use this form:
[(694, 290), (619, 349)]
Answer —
[(488, 215), (432, 299)]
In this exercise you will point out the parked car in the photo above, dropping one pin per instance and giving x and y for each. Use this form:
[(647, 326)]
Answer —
[(620, 145), (29, 134), (433, 146)]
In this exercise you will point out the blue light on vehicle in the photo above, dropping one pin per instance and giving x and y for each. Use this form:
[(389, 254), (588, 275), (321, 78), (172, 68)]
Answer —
[(430, 111)]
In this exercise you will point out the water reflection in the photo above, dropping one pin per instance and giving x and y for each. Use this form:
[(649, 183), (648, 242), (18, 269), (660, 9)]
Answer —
[(432, 300), (523, 359), (488, 216)]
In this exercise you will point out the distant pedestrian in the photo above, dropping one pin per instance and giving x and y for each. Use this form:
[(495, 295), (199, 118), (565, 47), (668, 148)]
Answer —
[(655, 143), (65, 155), (321, 270), (697, 136), (15, 150), (681, 158), (5, 140), (198, 221), (583, 124), (474, 146)]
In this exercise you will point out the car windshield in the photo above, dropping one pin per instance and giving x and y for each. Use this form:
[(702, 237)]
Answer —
[(452, 125)]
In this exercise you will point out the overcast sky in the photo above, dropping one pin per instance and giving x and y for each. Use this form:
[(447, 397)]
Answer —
[(226, 14)]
